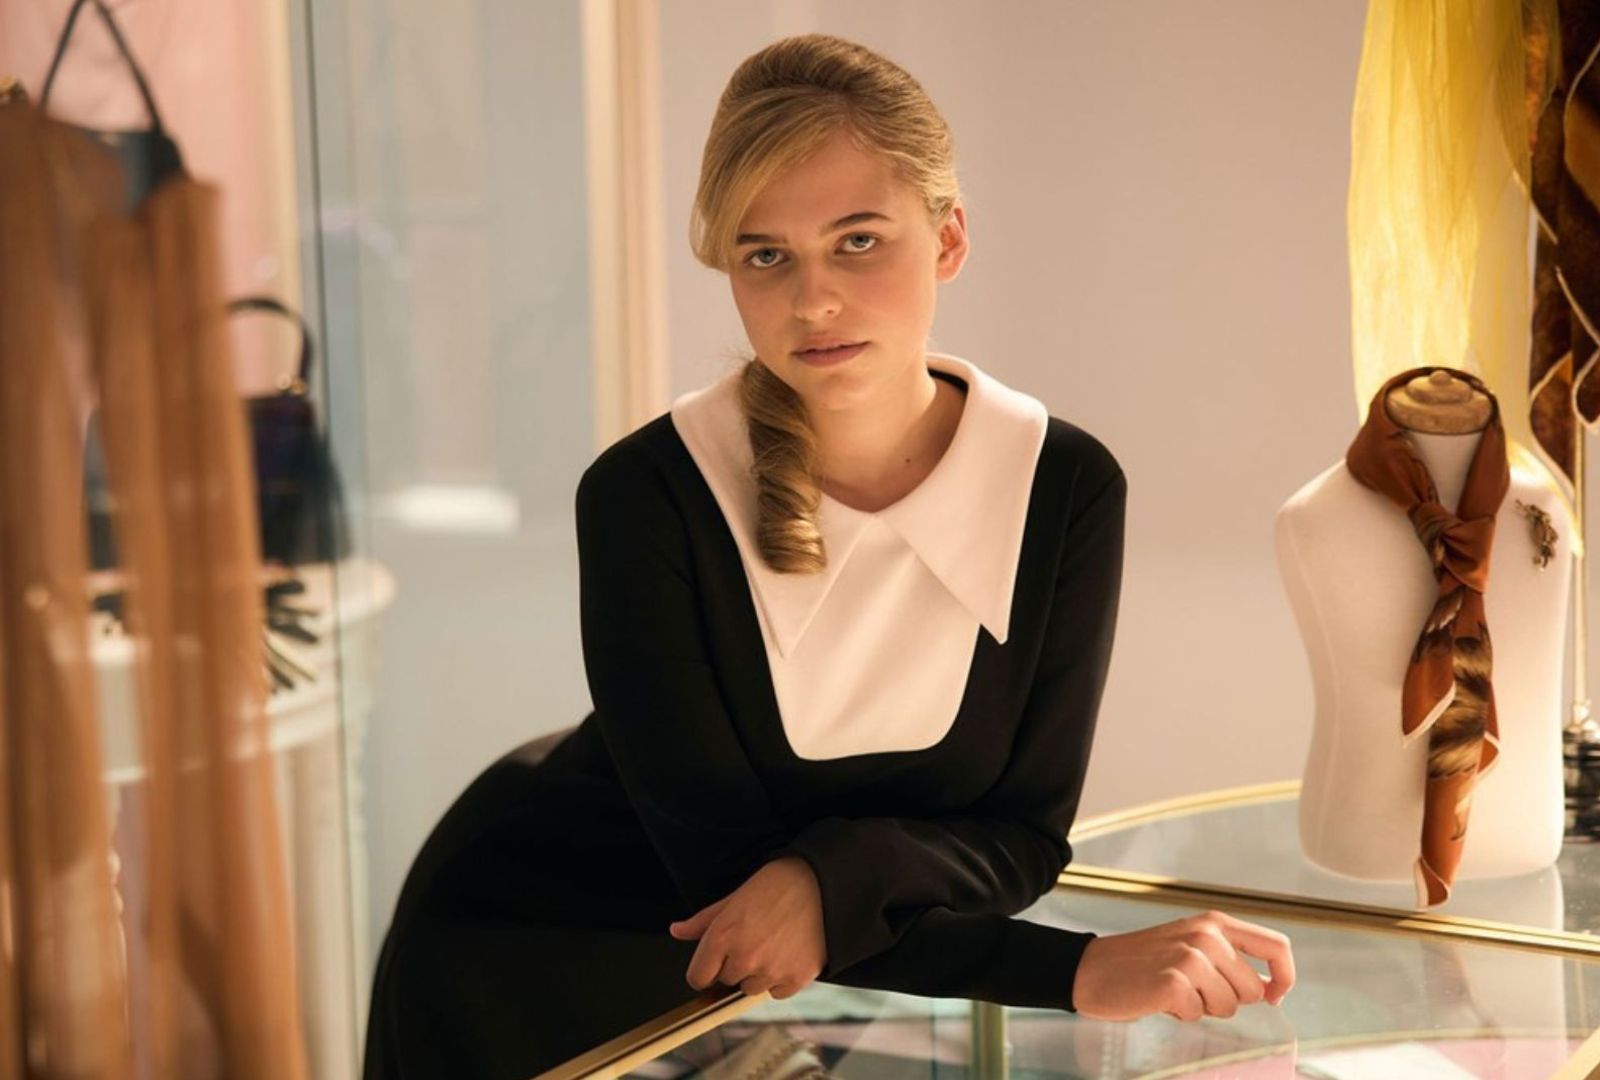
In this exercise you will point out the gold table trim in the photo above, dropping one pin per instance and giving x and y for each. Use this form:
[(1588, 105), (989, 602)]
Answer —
[(705, 1012), (1089, 877), (1153, 889), (1585, 1064), (1246, 795)]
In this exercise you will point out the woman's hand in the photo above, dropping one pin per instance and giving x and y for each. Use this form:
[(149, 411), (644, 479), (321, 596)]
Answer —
[(765, 935), (1187, 969)]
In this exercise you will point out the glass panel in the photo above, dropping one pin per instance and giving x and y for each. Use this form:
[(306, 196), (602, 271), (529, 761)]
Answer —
[(1364, 1005), (1257, 847), (445, 210)]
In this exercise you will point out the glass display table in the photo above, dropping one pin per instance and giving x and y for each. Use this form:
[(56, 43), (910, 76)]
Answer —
[(1503, 981)]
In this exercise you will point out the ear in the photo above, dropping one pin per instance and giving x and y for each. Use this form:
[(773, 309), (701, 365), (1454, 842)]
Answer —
[(953, 243)]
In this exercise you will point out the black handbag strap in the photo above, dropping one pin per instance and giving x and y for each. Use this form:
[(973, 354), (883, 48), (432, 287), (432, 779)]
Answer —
[(122, 47), (278, 307)]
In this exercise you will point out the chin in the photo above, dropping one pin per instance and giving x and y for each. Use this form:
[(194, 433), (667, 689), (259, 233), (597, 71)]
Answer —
[(831, 391)]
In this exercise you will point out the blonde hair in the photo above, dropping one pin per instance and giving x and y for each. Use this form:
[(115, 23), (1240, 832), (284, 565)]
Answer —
[(779, 107)]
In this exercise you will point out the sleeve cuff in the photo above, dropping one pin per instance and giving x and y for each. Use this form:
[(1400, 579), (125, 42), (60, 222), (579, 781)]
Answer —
[(1040, 963)]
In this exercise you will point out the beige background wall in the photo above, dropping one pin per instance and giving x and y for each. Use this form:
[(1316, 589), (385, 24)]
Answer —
[(1155, 193)]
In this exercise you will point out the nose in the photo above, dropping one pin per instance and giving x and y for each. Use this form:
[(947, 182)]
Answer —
[(816, 299)]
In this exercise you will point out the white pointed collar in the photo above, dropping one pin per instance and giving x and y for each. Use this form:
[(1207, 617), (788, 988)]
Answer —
[(965, 520)]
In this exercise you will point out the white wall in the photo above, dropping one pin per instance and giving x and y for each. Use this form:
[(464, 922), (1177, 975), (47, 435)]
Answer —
[(1155, 194)]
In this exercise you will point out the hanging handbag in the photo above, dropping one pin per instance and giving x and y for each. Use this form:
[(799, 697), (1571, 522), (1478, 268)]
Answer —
[(148, 156), (300, 498)]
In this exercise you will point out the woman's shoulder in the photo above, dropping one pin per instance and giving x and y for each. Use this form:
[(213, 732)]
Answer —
[(647, 480), (1076, 453), (646, 456)]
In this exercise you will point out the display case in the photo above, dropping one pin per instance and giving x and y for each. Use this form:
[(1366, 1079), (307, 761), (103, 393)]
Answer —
[(1504, 980)]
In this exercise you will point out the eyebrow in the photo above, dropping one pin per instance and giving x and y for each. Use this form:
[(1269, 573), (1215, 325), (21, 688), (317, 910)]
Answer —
[(849, 219)]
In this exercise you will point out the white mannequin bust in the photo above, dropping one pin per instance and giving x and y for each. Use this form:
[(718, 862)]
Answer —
[(1360, 585)]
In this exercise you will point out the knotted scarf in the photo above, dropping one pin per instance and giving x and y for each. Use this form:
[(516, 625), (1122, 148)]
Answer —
[(1447, 691)]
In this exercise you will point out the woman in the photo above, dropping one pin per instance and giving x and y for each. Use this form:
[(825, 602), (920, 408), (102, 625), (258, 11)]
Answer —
[(846, 619)]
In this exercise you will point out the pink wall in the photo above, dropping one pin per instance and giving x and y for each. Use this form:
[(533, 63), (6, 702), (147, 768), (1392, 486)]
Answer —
[(220, 75)]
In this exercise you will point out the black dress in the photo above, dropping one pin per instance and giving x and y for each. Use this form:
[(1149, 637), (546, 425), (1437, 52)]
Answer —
[(533, 923)]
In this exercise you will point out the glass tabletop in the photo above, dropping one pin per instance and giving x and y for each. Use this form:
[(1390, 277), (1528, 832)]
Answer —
[(1365, 1004), (1249, 840)]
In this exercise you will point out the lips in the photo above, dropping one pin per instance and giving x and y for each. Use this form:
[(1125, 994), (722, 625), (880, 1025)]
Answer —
[(825, 356)]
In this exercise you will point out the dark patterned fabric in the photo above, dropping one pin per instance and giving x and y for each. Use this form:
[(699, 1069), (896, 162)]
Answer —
[(1563, 380)]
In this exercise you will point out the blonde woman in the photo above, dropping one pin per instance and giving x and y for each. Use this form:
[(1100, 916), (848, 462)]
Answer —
[(846, 615)]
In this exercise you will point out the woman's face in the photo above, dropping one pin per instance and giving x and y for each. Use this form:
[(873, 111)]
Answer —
[(838, 248)]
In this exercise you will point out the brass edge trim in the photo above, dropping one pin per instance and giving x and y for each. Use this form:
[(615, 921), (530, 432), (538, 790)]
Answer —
[(1575, 941), (1112, 820), (614, 1058), (1302, 909), (1585, 1063), (1324, 1042), (988, 1053)]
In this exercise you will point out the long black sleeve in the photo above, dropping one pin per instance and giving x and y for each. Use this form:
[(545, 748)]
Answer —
[(913, 904), (657, 702)]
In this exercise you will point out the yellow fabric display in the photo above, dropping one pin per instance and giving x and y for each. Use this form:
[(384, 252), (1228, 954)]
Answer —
[(1438, 211)]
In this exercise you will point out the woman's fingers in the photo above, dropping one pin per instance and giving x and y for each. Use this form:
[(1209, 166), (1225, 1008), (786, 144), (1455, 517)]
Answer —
[(695, 925), (1217, 994), (1196, 966), (1213, 962), (756, 984), (715, 962), (706, 966), (1264, 944), (1248, 984), (703, 968), (1244, 980), (1183, 999)]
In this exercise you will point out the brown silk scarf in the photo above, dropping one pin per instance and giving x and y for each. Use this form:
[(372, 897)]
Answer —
[(1447, 690)]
